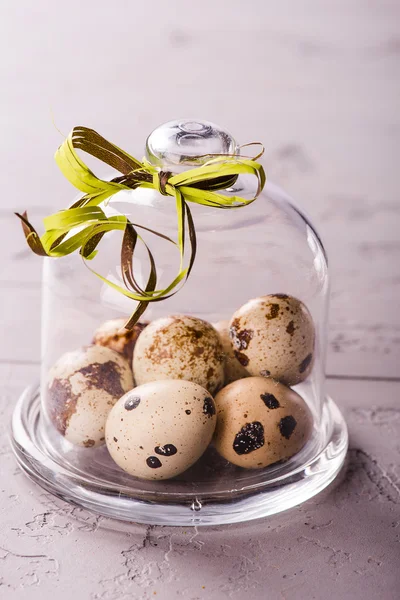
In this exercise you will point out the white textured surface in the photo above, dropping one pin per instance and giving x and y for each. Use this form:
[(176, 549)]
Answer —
[(318, 83)]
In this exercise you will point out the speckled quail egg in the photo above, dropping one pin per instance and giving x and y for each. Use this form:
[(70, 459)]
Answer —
[(274, 336), (260, 422), (232, 367), (81, 389), (179, 347), (112, 334), (159, 429)]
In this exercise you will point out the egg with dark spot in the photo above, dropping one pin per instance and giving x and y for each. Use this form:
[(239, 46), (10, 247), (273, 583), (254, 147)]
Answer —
[(260, 422), (166, 432), (274, 336), (81, 389), (180, 347)]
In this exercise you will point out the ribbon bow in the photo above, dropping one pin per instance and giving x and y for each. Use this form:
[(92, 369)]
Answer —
[(83, 225)]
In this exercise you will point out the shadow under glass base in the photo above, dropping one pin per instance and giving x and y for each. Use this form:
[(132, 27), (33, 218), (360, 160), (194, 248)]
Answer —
[(212, 492)]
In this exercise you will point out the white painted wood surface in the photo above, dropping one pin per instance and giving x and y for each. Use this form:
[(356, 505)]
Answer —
[(318, 83)]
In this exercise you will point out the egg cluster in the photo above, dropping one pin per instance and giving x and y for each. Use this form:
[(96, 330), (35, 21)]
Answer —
[(160, 394)]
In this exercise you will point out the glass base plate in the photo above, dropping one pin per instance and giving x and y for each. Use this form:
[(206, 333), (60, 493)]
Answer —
[(212, 492)]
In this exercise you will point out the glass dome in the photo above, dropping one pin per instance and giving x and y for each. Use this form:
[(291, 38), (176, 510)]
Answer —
[(266, 256)]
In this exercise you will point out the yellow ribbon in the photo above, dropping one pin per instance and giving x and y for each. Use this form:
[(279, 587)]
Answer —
[(82, 226)]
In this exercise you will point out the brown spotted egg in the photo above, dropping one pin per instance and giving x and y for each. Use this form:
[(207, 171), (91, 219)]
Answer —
[(232, 367), (179, 347), (82, 387), (260, 422), (159, 429), (274, 336), (112, 334)]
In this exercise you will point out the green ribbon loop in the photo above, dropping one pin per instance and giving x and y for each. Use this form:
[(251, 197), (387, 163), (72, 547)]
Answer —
[(83, 225)]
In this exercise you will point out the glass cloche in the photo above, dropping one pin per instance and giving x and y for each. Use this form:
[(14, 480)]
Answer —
[(210, 407)]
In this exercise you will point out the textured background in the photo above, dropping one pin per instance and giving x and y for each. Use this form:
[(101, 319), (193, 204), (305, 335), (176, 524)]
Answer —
[(318, 81)]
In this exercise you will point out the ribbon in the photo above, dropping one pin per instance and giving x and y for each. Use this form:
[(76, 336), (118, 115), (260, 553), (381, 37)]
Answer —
[(83, 225)]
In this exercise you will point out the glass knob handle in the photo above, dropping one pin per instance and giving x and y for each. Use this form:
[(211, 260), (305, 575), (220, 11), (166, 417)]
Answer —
[(179, 145)]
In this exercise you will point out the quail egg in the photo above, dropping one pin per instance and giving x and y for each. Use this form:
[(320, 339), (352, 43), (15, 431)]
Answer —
[(274, 336), (112, 334), (161, 428), (179, 347), (260, 422), (81, 389), (232, 367)]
